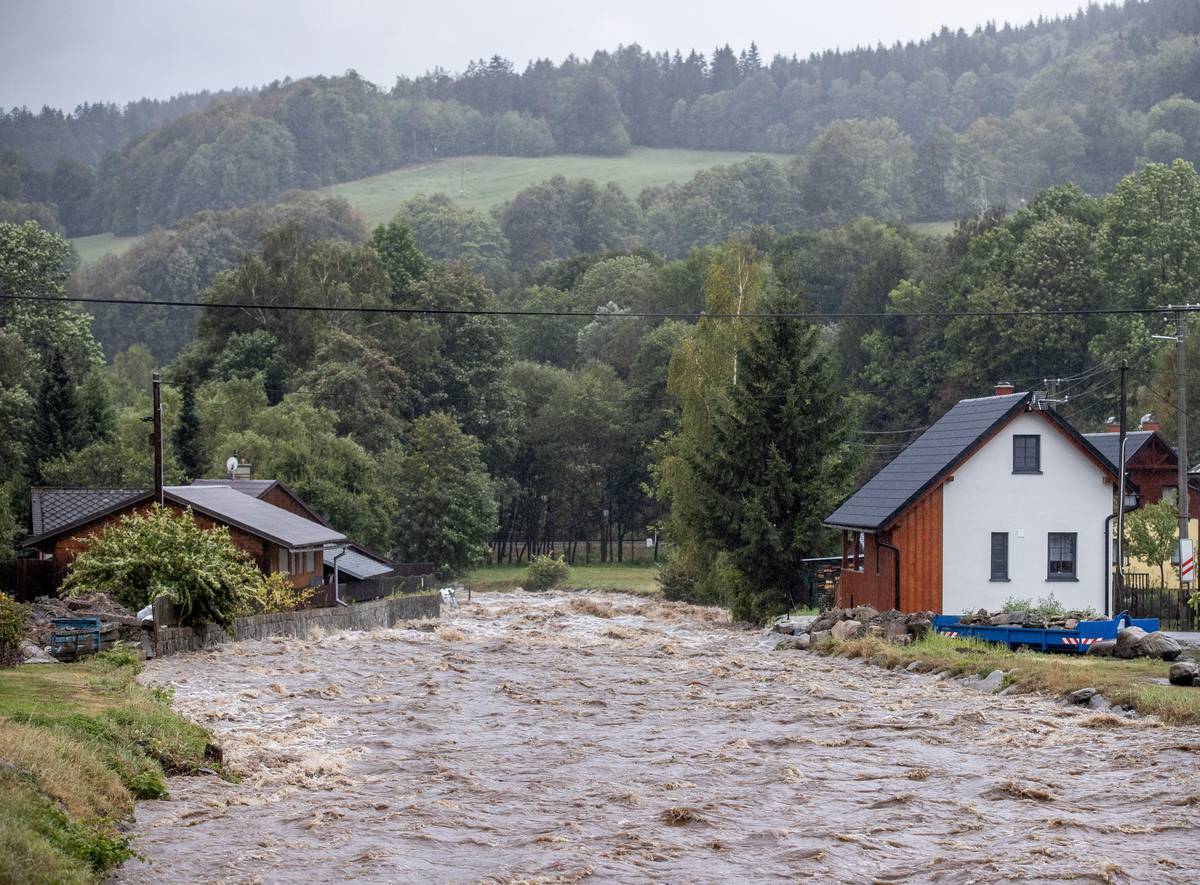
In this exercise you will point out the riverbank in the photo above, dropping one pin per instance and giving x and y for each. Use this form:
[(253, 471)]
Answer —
[(1137, 684), (79, 744)]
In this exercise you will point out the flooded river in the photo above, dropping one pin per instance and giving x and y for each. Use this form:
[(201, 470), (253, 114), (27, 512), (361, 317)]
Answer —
[(565, 737)]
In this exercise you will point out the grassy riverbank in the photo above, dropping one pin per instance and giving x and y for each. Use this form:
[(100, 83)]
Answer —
[(1121, 682), (641, 579), (79, 743)]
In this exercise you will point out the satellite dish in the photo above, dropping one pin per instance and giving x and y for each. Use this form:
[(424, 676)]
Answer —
[(231, 464)]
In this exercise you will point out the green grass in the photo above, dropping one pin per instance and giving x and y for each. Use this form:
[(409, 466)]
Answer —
[(92, 249), (640, 579), (79, 743), (487, 181), (1121, 682)]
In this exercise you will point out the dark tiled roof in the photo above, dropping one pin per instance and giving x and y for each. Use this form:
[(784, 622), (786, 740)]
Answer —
[(51, 509), (257, 517), (909, 473), (357, 563), (1107, 444)]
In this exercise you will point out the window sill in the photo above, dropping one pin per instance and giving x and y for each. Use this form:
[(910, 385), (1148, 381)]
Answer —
[(1000, 580), (1027, 472), (1052, 578)]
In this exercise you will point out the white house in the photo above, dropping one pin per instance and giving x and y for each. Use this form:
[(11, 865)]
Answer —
[(1000, 497)]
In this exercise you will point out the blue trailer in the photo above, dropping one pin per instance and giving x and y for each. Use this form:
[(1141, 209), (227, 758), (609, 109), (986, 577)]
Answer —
[(1044, 639)]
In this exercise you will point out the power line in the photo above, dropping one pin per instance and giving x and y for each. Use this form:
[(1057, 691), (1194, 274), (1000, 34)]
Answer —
[(592, 315)]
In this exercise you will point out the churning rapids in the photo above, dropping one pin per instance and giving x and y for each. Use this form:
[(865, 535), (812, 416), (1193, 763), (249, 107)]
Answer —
[(609, 738)]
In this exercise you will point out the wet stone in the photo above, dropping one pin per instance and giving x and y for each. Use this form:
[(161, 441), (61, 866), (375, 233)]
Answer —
[(1183, 673), (844, 630), (1082, 695)]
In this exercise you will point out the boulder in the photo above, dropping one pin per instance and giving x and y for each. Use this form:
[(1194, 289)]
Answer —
[(1104, 648), (919, 627), (787, 628), (875, 630), (991, 683), (1082, 695), (827, 619), (919, 667), (1129, 641), (895, 631), (816, 637), (1183, 673), (864, 614), (33, 654), (1159, 645), (1000, 620), (794, 643), (844, 630)]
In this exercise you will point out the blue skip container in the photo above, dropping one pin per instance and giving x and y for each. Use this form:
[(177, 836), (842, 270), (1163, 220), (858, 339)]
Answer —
[(1043, 638)]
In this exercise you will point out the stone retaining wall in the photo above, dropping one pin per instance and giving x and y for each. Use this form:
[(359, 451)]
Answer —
[(381, 613)]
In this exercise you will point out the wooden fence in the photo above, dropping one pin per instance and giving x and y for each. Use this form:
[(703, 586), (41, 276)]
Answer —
[(27, 579)]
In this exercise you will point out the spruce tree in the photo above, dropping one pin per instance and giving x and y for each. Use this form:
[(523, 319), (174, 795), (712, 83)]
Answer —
[(189, 450), (775, 464), (58, 422)]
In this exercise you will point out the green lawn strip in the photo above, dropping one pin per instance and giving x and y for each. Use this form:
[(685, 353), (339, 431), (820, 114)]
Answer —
[(1121, 682), (622, 578), (79, 743)]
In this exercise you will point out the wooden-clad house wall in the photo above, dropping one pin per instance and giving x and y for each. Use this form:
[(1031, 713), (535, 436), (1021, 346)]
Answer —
[(918, 534)]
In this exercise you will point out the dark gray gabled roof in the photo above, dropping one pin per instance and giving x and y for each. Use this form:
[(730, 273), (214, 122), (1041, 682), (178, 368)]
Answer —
[(257, 517), (255, 488), (1108, 443), (930, 455), (51, 509)]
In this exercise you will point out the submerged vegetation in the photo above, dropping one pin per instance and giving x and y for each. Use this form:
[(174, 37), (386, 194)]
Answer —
[(79, 743)]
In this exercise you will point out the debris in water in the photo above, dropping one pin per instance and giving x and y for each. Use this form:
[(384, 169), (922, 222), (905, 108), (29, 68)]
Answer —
[(681, 816), (1020, 791), (449, 633)]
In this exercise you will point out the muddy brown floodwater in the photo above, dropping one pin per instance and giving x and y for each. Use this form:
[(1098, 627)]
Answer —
[(569, 737)]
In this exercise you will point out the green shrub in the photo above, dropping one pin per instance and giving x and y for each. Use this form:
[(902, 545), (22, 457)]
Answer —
[(678, 583), (12, 629), (1013, 605), (545, 573), (144, 557)]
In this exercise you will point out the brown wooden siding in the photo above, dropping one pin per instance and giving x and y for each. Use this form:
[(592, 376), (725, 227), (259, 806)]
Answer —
[(918, 534)]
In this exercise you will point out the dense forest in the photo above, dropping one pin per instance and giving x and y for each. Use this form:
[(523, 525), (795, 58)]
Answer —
[(966, 120), (558, 369)]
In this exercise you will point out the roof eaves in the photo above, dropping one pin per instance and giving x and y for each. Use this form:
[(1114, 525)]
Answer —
[(34, 540)]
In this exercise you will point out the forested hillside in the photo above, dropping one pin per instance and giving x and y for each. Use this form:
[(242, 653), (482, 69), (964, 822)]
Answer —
[(970, 120)]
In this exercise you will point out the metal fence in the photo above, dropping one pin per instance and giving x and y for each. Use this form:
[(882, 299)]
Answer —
[(372, 588), (582, 552), (1167, 604)]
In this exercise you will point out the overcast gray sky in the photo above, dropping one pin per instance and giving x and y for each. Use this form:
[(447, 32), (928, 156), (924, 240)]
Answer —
[(64, 52)]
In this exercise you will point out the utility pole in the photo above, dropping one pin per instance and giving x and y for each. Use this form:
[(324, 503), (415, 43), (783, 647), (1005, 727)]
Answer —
[(1119, 577), (1183, 465), (156, 384)]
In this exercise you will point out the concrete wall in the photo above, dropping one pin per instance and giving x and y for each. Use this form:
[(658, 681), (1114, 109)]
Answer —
[(1069, 495), (381, 613)]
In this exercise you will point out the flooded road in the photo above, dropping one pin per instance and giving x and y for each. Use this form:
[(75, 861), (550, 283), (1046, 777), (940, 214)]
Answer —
[(567, 737)]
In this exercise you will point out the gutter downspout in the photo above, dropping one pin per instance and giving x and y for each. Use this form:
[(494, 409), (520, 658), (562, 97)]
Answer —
[(879, 542), (337, 599), (1108, 564)]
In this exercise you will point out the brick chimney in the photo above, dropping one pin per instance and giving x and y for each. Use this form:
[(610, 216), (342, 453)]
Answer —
[(1112, 425), (1149, 422), (1004, 388)]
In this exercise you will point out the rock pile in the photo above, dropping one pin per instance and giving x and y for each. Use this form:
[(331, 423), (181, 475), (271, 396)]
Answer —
[(1034, 620), (853, 623), (117, 623)]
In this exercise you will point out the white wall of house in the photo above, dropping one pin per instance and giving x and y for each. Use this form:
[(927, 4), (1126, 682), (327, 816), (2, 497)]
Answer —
[(985, 496)]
